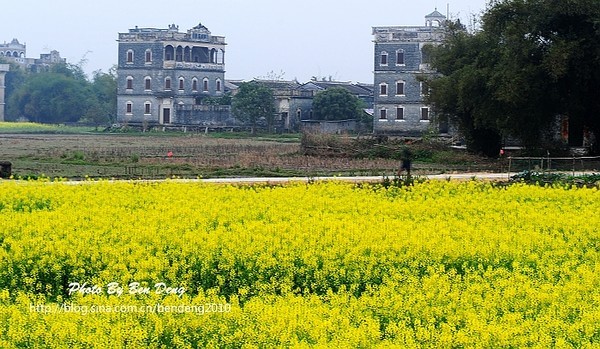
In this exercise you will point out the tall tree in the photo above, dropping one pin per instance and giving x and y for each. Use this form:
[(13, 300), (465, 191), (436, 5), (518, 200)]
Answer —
[(104, 90), (337, 103), (252, 102), (531, 61), (52, 97)]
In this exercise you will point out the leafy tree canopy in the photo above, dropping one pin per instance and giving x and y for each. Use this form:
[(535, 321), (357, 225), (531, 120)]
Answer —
[(252, 102), (63, 94), (531, 61), (337, 103)]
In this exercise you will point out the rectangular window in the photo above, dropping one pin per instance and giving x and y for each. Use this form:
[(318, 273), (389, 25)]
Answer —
[(424, 114), (399, 113), (148, 84), (383, 114), (384, 59), (195, 85), (147, 108), (400, 88), (383, 90), (168, 84), (218, 85), (130, 84), (148, 56), (129, 56), (181, 84), (129, 108), (205, 86), (400, 57)]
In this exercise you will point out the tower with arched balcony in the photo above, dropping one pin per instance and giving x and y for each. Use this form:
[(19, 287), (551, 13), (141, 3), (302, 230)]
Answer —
[(164, 74)]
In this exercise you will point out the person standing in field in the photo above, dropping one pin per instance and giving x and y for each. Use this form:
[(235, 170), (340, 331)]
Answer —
[(406, 162)]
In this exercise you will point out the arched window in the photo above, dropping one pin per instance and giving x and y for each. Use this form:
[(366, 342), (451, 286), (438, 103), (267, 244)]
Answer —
[(130, 56), (169, 53), (194, 84), (205, 85), (187, 54), (129, 108), (181, 83), (148, 56), (179, 54), (218, 85), (383, 60), (167, 83), (147, 108), (400, 57), (147, 83), (221, 57), (129, 83)]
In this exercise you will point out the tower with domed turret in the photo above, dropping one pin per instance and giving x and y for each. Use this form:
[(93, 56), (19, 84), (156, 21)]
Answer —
[(400, 58)]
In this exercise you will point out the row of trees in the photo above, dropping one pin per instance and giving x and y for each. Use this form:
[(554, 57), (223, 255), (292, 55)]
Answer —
[(530, 61), (62, 94)]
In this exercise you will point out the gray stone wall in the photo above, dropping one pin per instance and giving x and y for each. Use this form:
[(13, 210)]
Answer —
[(4, 68)]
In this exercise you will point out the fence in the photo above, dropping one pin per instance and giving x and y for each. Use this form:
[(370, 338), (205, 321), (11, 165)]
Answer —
[(572, 165)]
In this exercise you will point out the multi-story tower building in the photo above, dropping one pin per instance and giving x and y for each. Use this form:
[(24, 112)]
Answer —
[(399, 60), (164, 74)]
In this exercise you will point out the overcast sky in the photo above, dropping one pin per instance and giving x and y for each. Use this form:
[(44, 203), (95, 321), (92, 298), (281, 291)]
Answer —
[(296, 39)]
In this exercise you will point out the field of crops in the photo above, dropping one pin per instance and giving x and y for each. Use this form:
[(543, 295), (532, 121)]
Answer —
[(191, 265)]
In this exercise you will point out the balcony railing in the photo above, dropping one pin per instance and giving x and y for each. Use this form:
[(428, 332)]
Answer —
[(193, 65)]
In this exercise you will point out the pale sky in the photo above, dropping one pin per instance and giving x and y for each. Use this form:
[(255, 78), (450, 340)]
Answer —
[(296, 39)]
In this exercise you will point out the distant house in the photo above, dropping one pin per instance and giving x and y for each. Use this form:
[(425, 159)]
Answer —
[(364, 92), (293, 101), (399, 59), (16, 53), (164, 75)]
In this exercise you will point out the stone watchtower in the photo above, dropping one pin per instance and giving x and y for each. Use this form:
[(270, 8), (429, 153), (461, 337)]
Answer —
[(164, 73), (4, 68), (400, 61)]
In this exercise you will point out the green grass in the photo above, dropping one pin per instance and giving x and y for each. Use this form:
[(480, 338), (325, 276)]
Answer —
[(30, 127)]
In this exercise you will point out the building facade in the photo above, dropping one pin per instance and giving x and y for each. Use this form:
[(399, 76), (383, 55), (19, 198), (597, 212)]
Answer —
[(164, 75), (400, 62), (16, 53)]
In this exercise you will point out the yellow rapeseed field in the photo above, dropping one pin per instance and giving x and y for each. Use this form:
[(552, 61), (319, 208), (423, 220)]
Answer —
[(191, 265)]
